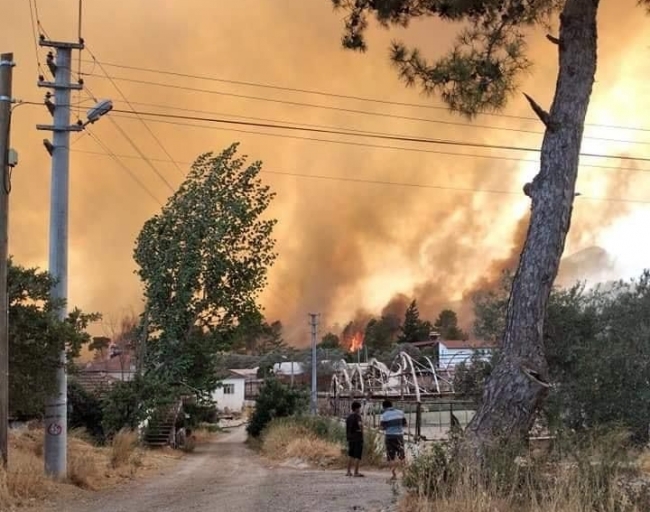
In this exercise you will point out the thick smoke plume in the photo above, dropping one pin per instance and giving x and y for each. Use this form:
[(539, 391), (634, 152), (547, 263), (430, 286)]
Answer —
[(345, 245)]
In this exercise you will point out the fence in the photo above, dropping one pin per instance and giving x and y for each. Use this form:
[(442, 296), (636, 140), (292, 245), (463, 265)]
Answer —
[(426, 421)]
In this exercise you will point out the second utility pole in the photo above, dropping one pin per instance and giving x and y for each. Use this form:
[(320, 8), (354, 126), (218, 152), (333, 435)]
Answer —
[(314, 364), (6, 65), (56, 407)]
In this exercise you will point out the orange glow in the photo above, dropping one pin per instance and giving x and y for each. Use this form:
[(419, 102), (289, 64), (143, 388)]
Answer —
[(356, 342)]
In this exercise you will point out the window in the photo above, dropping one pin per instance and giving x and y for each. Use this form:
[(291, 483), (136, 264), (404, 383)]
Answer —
[(228, 389)]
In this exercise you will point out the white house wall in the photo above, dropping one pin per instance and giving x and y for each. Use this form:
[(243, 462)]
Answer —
[(234, 402), (452, 357)]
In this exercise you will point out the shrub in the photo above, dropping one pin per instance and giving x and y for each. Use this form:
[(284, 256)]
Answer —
[(586, 475), (122, 447), (120, 408), (85, 411), (275, 401), (199, 413)]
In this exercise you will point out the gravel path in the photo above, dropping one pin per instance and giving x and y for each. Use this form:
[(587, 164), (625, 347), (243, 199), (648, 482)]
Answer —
[(225, 476)]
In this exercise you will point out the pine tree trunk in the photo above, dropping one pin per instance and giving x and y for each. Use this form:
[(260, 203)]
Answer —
[(518, 384)]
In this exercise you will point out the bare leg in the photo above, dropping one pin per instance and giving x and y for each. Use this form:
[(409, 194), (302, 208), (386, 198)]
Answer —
[(356, 466), (349, 473)]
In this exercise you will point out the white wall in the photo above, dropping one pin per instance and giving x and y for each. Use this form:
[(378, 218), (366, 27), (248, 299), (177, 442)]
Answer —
[(233, 402), (452, 357)]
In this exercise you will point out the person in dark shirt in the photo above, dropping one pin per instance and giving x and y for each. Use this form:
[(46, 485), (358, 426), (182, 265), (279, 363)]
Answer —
[(354, 432)]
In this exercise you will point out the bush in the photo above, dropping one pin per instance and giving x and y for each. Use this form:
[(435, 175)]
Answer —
[(199, 413), (275, 401), (120, 408), (122, 447), (587, 474), (85, 411)]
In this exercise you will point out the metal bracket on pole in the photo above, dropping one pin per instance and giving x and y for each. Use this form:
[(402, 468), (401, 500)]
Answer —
[(9, 63)]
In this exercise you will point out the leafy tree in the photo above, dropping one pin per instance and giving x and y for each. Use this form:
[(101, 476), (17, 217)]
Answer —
[(329, 341), (269, 338), (470, 378), (203, 261), (36, 338), (413, 329), (490, 310), (447, 325), (598, 352), (479, 74), (381, 334), (85, 411), (276, 400), (99, 345)]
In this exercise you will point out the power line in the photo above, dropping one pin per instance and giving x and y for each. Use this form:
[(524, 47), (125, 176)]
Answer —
[(349, 110), (41, 29), (109, 153), (383, 146), (153, 135), (400, 184), (345, 96), (352, 130), (443, 142), (133, 144), (35, 33)]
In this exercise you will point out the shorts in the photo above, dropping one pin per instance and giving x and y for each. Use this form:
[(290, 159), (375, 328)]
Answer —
[(355, 449), (395, 448)]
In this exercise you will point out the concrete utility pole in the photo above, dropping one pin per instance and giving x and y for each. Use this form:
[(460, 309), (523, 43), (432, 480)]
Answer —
[(56, 407), (314, 364), (6, 67)]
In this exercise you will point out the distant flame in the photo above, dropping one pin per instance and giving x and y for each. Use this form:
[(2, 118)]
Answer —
[(356, 342)]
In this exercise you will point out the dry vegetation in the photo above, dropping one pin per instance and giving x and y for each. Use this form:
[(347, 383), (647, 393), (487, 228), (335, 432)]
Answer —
[(316, 441), (604, 476), (89, 467)]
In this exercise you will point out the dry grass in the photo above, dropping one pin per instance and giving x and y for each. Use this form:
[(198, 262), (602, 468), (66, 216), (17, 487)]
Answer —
[(89, 467), (286, 440), (598, 477), (122, 448)]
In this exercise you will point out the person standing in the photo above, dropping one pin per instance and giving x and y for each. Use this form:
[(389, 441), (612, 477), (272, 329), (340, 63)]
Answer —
[(354, 433), (393, 423)]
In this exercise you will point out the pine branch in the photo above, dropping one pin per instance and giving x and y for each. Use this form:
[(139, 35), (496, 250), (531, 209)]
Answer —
[(540, 112)]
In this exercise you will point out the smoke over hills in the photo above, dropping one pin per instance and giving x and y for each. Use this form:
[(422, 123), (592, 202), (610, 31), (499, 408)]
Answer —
[(363, 225)]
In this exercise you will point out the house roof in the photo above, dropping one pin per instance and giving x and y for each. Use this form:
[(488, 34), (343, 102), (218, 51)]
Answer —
[(467, 344), (234, 374), (112, 365), (96, 383), (246, 373)]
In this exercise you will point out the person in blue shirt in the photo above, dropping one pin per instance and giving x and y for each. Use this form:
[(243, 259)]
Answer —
[(393, 423)]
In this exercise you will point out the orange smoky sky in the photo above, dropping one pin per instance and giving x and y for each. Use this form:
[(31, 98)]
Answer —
[(344, 245)]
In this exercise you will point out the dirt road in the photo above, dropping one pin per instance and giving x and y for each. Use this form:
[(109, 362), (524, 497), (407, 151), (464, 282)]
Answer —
[(225, 476)]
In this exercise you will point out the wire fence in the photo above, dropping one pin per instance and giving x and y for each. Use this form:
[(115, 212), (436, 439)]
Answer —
[(425, 421)]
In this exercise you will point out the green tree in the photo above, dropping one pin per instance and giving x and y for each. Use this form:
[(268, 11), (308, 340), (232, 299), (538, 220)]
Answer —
[(276, 400), (598, 353), (479, 74), (447, 325), (203, 261), (36, 338), (270, 338), (330, 341), (413, 329), (381, 334)]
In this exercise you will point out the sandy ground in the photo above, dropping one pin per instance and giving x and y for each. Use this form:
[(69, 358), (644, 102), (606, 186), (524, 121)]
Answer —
[(226, 476)]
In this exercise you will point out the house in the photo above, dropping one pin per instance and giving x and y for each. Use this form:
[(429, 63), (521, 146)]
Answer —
[(97, 376), (453, 352), (230, 395)]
